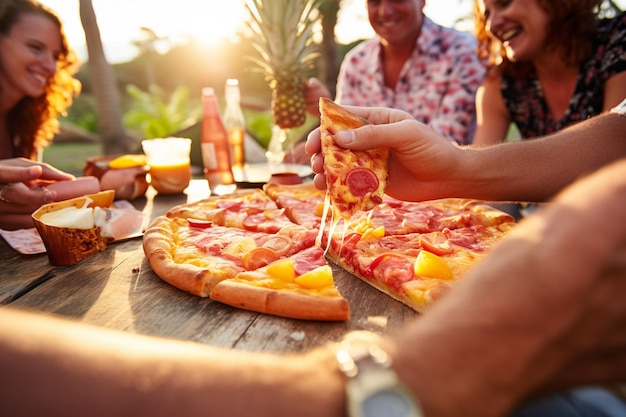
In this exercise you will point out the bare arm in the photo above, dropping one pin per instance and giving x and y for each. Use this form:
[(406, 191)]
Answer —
[(548, 299), (56, 367), (425, 166), (492, 118), (614, 91)]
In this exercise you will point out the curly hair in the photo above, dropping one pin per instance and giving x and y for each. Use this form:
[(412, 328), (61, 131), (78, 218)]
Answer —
[(576, 18), (33, 122)]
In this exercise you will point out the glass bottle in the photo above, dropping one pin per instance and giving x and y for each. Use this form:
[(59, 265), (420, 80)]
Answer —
[(215, 148), (235, 124)]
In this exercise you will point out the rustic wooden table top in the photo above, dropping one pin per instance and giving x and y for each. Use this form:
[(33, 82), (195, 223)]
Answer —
[(117, 289)]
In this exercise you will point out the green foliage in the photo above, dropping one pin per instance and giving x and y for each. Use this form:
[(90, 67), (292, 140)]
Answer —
[(82, 113), (154, 115)]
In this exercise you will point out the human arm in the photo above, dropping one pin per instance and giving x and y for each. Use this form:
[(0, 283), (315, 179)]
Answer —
[(614, 90), (57, 367), (544, 300), (492, 118), (20, 185), (544, 311), (423, 165)]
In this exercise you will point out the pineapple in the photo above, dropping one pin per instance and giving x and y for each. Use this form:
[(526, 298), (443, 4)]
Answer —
[(283, 36)]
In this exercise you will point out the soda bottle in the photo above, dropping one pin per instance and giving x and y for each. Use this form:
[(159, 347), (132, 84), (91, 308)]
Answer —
[(215, 148), (235, 123)]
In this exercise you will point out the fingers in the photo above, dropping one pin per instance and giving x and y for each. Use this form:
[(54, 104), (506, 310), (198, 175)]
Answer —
[(19, 174), (18, 198), (24, 170)]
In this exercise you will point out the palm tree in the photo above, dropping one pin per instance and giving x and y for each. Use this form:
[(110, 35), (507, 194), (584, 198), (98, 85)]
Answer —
[(108, 104)]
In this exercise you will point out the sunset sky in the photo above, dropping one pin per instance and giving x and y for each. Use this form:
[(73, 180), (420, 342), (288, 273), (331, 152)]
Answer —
[(209, 20)]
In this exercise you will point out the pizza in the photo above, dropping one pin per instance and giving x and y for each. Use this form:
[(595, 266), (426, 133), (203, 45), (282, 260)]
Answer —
[(243, 250), (269, 250), (355, 180)]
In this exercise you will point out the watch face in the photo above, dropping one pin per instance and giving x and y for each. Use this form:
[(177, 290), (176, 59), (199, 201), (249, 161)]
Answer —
[(387, 403)]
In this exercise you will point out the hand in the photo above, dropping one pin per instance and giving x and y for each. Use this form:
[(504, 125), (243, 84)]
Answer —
[(420, 159), (313, 90), (22, 190)]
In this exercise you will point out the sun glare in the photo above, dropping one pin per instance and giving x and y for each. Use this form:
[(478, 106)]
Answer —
[(207, 22)]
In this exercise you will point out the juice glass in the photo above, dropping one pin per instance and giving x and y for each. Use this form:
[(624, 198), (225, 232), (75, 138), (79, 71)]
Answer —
[(168, 159)]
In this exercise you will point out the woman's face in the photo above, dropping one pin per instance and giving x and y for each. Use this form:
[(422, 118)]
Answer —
[(396, 21), (28, 56), (520, 25)]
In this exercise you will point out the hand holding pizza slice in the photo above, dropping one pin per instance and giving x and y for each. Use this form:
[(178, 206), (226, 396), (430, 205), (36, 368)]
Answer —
[(355, 180)]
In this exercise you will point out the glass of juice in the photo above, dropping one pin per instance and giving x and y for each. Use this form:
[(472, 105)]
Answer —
[(169, 164)]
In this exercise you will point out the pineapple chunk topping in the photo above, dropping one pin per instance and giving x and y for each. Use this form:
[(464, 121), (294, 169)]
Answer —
[(319, 277), (319, 210), (282, 269), (371, 234), (239, 247), (428, 264)]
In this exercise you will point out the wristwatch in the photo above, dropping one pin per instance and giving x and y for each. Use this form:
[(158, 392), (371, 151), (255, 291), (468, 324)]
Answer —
[(372, 387), (620, 108)]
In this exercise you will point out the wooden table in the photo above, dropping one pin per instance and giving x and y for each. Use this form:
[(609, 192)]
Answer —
[(117, 289)]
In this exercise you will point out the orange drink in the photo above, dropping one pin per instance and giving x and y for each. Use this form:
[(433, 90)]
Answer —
[(170, 179), (168, 159)]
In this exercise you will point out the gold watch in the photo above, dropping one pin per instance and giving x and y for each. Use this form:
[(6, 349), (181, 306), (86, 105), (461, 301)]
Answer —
[(372, 387)]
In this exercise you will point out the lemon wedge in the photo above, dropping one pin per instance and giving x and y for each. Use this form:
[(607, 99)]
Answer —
[(128, 161)]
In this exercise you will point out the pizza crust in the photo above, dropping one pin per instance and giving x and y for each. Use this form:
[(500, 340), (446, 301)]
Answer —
[(284, 303)]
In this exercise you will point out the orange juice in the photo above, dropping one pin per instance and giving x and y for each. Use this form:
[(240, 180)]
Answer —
[(170, 179)]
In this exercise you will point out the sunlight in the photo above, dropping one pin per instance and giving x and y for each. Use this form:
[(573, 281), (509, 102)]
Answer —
[(207, 22)]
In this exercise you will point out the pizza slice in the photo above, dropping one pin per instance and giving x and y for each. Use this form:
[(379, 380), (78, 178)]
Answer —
[(248, 209), (417, 268), (300, 287), (199, 257), (396, 217), (303, 203), (355, 180)]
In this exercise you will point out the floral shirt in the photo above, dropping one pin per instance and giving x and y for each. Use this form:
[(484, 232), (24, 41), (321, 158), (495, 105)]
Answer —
[(526, 102), (437, 84)]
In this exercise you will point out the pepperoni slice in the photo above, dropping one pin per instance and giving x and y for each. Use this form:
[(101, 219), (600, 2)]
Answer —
[(309, 259), (258, 257), (280, 244), (361, 181), (199, 224), (392, 270)]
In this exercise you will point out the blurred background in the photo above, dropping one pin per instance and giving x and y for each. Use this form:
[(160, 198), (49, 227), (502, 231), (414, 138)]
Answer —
[(157, 55)]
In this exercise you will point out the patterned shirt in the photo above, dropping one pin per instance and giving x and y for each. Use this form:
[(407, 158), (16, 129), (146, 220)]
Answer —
[(437, 85), (526, 103)]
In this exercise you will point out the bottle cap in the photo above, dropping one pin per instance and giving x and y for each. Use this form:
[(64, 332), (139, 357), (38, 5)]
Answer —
[(208, 91), (232, 89)]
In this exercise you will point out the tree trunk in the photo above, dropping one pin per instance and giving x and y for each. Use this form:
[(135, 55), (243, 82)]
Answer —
[(108, 104), (329, 10)]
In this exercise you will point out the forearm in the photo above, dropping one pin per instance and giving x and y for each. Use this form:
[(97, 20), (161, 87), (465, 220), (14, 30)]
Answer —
[(548, 297), (53, 367), (537, 169)]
